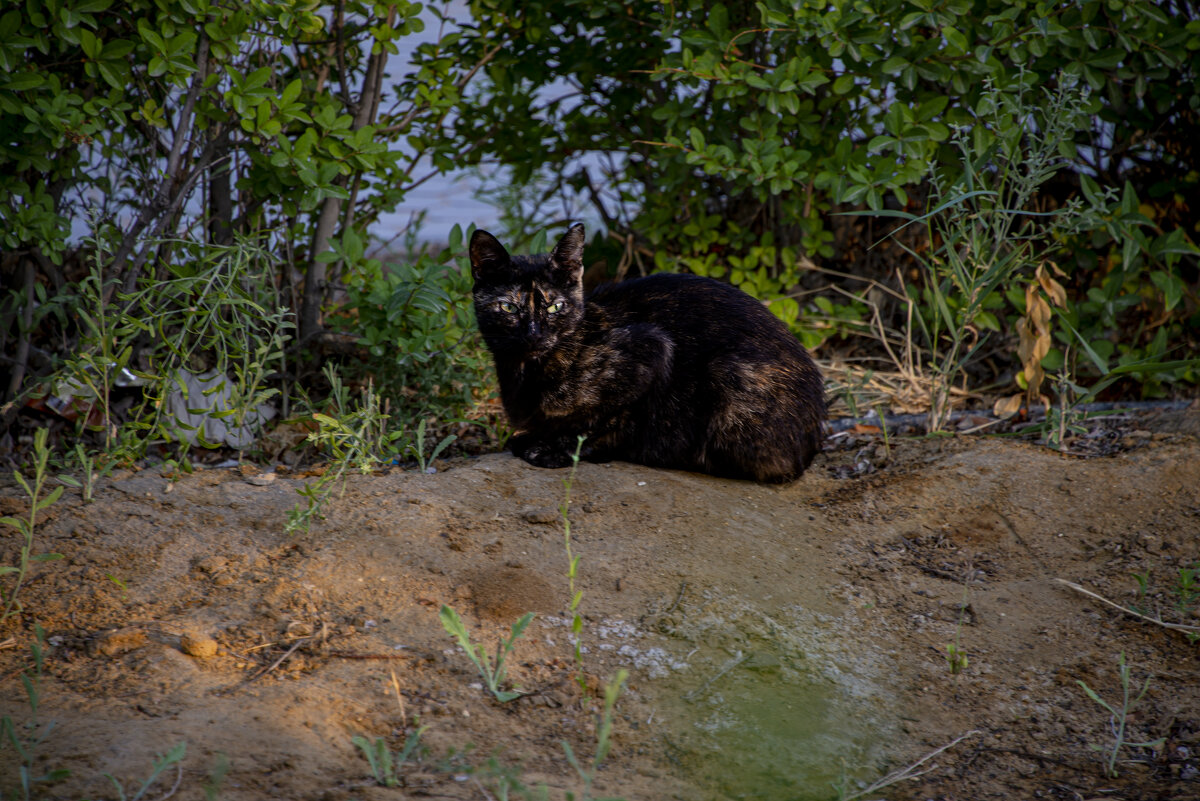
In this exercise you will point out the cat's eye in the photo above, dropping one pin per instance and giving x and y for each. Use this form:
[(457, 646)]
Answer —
[(507, 307), (555, 308)]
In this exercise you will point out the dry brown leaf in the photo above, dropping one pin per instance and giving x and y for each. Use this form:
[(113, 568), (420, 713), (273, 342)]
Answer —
[(1051, 287), (1007, 407)]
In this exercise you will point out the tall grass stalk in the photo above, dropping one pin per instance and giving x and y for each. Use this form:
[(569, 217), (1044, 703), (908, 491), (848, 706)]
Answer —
[(587, 775), (27, 526), (564, 510)]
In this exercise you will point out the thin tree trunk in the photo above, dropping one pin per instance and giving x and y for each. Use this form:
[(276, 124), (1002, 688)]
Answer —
[(316, 275), (220, 194), (171, 185), (21, 362)]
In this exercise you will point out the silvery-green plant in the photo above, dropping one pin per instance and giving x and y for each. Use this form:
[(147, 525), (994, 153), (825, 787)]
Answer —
[(982, 232), (214, 313), (384, 764), (1120, 715), (493, 674)]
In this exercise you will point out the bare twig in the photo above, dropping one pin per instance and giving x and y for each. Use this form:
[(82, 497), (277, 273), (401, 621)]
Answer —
[(399, 698), (178, 781), (278, 661), (163, 197), (729, 665), (904, 774), (1128, 611), (354, 655)]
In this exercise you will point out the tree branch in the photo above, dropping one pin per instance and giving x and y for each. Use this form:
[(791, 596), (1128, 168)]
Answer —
[(163, 195)]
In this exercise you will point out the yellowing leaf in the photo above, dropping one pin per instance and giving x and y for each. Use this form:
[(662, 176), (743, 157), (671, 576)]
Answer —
[(1052, 287), (1007, 407)]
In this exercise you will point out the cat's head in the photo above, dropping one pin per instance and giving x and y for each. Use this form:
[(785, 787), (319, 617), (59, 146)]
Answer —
[(526, 305)]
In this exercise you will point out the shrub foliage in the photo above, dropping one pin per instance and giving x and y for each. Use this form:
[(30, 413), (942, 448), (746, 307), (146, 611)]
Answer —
[(718, 138)]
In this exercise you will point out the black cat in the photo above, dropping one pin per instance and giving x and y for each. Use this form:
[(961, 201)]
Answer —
[(672, 371)]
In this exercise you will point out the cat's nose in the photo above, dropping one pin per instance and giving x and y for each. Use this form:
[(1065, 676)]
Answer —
[(532, 330)]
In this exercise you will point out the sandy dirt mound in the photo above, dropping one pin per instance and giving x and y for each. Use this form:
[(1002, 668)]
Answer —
[(777, 639)]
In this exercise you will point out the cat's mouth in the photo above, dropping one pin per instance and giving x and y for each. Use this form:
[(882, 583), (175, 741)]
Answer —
[(540, 349)]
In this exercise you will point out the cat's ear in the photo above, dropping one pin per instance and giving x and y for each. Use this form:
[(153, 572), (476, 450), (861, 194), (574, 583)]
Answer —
[(486, 253), (567, 255)]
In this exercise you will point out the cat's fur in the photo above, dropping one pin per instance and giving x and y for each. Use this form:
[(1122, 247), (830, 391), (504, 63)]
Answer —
[(672, 371)]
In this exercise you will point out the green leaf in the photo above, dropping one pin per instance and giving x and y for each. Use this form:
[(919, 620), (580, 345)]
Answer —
[(1171, 286), (50, 499), (291, 92), (23, 81), (956, 39), (90, 45)]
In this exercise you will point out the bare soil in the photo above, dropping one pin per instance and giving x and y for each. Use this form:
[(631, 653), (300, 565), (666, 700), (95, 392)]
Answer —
[(774, 637)]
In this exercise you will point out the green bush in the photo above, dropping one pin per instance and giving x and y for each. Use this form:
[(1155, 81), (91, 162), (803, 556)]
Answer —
[(732, 131), (414, 315), (188, 121)]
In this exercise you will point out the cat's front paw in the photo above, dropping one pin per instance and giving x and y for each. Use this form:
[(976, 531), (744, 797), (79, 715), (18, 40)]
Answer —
[(539, 452)]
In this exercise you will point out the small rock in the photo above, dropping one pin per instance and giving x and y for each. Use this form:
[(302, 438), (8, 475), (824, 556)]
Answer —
[(198, 645), (111, 643), (211, 564), (763, 663), (262, 480), (539, 514), (972, 421)]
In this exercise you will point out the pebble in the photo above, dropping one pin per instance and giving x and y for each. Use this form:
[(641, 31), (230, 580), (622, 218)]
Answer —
[(111, 643), (540, 514), (198, 645), (211, 564)]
